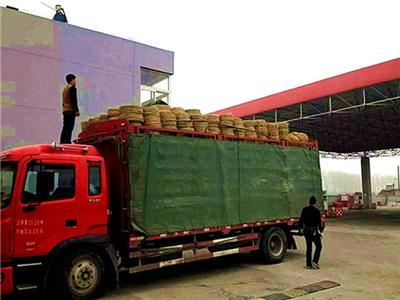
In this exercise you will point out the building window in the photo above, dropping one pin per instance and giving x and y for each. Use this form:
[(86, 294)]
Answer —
[(154, 87)]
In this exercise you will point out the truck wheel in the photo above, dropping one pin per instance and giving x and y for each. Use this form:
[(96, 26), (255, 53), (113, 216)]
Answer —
[(273, 245), (83, 276)]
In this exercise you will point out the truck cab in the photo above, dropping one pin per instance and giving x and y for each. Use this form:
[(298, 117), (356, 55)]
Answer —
[(53, 197)]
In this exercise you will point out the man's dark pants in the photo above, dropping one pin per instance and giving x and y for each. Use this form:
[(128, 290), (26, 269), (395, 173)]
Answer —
[(312, 236), (68, 127)]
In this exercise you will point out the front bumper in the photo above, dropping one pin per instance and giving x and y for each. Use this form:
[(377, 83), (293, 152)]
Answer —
[(6, 280)]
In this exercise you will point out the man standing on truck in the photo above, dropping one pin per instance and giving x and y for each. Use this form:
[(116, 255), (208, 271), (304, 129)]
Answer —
[(310, 220), (70, 108)]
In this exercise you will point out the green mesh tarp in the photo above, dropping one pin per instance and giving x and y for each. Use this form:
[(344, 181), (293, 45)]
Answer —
[(181, 183)]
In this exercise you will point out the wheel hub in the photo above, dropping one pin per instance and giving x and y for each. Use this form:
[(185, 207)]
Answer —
[(276, 245), (83, 276)]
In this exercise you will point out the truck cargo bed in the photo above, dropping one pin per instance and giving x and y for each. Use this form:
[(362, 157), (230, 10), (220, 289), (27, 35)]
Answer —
[(182, 181)]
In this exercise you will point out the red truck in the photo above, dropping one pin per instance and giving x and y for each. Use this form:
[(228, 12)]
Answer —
[(126, 198)]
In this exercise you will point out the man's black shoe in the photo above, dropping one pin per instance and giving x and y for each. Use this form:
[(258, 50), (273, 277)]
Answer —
[(315, 265)]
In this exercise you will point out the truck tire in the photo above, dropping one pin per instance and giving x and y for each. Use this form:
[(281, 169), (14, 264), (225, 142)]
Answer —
[(82, 275), (273, 245)]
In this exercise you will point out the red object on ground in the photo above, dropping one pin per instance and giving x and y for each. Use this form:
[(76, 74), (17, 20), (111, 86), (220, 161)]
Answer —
[(341, 203), (339, 212)]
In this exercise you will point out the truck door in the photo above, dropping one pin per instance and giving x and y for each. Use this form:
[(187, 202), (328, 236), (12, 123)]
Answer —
[(93, 210), (7, 181), (47, 212)]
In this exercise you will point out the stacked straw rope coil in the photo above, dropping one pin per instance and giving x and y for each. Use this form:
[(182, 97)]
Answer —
[(133, 113), (151, 116), (168, 119), (183, 120), (163, 116), (113, 113), (159, 116), (283, 130), (85, 125), (162, 107), (240, 130), (273, 131), (103, 118), (94, 120), (298, 137), (250, 128), (178, 110), (199, 121), (213, 124), (226, 125), (261, 129)]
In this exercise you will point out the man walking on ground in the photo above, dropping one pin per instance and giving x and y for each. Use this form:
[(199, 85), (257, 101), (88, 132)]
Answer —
[(70, 109), (310, 220)]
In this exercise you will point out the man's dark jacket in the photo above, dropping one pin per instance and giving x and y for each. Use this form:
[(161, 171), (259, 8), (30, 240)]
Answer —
[(311, 218)]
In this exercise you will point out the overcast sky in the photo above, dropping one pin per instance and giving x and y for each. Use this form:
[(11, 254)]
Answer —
[(228, 52)]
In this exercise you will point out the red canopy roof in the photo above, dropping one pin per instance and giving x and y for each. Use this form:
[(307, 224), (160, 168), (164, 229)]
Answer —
[(364, 77)]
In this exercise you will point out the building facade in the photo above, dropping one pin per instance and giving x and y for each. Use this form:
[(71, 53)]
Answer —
[(37, 54)]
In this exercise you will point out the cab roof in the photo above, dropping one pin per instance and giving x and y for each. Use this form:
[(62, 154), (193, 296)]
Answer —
[(65, 149)]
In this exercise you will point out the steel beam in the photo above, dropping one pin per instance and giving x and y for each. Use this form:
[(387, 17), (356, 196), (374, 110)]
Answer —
[(376, 153), (374, 103)]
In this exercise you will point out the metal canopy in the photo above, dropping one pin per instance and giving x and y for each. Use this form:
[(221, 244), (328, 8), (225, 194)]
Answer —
[(356, 113)]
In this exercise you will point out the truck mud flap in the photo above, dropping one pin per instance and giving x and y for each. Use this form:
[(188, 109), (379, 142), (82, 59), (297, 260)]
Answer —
[(291, 242)]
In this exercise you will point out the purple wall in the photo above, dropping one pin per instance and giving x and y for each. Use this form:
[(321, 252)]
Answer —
[(37, 53)]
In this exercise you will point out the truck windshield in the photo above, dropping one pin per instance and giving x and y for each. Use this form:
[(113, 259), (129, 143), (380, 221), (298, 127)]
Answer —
[(7, 178)]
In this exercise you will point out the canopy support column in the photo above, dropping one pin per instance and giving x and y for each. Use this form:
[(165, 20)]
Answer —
[(366, 182)]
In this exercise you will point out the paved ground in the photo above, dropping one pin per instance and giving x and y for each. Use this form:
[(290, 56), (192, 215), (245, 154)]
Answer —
[(361, 252)]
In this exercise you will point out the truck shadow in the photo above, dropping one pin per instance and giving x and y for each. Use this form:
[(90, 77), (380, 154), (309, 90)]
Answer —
[(190, 272), (222, 266)]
